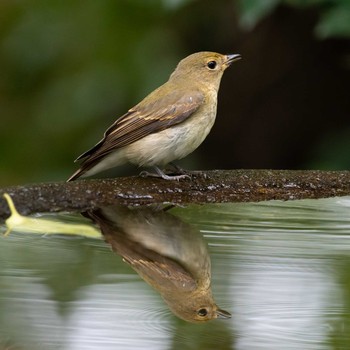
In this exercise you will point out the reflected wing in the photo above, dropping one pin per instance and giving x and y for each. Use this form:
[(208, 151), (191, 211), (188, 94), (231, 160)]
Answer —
[(158, 270), (161, 273)]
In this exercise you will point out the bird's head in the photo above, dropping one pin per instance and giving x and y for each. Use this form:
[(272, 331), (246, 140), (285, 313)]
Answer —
[(207, 67), (197, 306)]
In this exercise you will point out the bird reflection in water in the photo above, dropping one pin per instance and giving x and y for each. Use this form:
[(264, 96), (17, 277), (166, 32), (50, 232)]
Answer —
[(167, 253)]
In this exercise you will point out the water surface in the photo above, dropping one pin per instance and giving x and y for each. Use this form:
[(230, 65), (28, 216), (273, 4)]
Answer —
[(282, 269)]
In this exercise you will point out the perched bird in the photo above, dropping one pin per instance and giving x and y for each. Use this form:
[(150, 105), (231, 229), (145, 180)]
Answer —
[(168, 124), (167, 253)]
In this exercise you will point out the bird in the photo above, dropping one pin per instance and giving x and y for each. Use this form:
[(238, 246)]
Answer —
[(167, 253), (168, 124)]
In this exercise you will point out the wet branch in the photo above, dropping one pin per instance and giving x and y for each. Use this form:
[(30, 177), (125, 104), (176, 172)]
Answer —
[(218, 186)]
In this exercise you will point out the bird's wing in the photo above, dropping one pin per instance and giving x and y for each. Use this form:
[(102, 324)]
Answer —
[(160, 271), (145, 119)]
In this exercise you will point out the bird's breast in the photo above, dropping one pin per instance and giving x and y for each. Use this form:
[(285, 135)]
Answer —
[(175, 142)]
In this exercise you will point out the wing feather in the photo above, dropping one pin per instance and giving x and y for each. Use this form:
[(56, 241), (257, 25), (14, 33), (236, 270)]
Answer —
[(145, 119)]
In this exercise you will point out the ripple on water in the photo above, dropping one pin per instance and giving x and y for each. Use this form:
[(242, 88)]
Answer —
[(126, 313), (280, 268), (306, 227), (306, 215)]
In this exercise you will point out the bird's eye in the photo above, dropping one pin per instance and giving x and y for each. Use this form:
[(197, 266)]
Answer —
[(202, 312), (211, 64)]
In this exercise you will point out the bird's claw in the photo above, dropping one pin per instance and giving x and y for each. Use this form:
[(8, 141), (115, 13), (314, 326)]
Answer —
[(175, 177), (199, 174), (165, 176)]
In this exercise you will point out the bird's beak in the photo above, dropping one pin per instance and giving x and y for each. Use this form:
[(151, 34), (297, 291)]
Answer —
[(222, 314), (232, 58)]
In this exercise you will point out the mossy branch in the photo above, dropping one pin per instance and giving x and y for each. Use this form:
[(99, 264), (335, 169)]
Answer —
[(217, 186)]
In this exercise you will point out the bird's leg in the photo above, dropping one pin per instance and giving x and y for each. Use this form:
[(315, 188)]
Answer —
[(164, 176), (161, 174), (178, 169), (182, 171)]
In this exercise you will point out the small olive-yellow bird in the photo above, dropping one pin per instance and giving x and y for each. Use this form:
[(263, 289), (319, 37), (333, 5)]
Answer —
[(168, 124)]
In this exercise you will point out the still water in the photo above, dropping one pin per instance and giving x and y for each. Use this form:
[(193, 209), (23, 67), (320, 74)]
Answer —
[(281, 269)]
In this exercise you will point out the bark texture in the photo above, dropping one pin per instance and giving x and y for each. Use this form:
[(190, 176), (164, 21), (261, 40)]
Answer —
[(217, 186)]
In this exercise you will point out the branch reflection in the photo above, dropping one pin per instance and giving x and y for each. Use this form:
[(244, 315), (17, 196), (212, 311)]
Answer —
[(169, 254)]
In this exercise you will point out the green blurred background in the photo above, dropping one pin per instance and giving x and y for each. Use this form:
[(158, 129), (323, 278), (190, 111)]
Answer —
[(69, 68)]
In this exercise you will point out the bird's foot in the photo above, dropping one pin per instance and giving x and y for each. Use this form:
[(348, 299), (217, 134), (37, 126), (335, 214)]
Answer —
[(160, 174), (179, 170), (193, 173), (199, 173), (175, 177)]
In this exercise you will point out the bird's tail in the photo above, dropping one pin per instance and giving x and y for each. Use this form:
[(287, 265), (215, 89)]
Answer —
[(76, 175)]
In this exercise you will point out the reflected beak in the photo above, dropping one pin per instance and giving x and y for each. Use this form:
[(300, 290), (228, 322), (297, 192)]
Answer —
[(222, 314), (232, 58)]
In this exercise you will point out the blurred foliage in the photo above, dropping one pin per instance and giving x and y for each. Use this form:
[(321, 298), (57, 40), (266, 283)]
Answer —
[(334, 18), (66, 63), (325, 157), (68, 68)]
